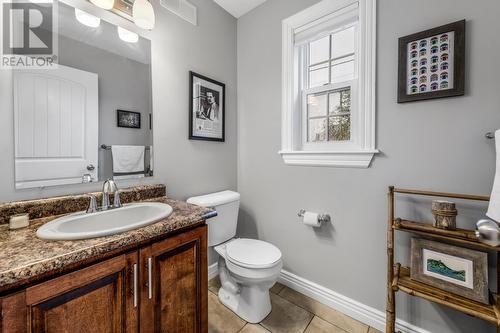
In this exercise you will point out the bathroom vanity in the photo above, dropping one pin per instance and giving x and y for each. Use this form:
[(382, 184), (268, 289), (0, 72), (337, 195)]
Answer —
[(150, 279)]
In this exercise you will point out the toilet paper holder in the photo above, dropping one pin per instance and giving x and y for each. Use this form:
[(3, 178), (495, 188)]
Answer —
[(322, 218)]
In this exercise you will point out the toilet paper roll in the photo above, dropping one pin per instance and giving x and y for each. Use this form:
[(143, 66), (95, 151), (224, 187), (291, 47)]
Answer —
[(311, 219)]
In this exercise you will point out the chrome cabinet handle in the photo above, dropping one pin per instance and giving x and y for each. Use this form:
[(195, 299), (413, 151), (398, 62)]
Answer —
[(150, 278), (90, 167), (135, 285)]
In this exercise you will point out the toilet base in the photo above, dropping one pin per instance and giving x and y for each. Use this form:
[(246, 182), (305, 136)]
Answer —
[(250, 301), (251, 304)]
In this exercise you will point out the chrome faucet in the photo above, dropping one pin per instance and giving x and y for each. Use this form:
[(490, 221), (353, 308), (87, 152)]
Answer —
[(108, 187)]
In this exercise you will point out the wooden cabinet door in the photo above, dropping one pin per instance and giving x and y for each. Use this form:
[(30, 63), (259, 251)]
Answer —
[(174, 284), (13, 314), (98, 299)]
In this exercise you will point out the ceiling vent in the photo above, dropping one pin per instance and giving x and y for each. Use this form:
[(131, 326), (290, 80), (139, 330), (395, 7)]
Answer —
[(183, 9)]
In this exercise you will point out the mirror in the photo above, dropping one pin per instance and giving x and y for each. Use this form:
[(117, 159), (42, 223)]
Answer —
[(90, 118)]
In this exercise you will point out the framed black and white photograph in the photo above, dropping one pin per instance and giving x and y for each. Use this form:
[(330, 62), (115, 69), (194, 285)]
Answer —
[(128, 119), (432, 63), (455, 269), (206, 108)]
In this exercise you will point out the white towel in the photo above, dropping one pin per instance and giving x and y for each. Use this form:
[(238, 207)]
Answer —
[(494, 207), (128, 161)]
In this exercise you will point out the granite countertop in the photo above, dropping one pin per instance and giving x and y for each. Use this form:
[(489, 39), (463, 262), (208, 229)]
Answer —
[(23, 256)]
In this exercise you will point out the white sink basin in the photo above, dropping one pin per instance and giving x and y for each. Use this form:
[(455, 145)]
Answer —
[(105, 223)]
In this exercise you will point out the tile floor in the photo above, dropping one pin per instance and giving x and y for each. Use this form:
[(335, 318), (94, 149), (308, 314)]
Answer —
[(292, 313)]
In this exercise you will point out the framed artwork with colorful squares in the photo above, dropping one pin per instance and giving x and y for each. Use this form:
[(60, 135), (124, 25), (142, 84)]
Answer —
[(432, 63)]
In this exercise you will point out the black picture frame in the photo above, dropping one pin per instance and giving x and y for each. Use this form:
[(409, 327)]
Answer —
[(128, 119), (458, 88), (222, 102)]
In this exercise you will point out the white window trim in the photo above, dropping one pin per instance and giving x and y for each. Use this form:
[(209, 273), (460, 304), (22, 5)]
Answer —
[(291, 127)]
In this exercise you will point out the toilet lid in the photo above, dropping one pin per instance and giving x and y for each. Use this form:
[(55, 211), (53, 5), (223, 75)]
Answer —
[(252, 253)]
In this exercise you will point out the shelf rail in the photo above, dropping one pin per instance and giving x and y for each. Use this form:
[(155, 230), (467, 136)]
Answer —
[(443, 194)]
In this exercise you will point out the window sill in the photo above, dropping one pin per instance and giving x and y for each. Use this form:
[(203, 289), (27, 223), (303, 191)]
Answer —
[(345, 159)]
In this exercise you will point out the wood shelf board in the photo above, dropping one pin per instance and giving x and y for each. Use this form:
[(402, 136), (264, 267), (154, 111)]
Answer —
[(414, 288), (458, 236)]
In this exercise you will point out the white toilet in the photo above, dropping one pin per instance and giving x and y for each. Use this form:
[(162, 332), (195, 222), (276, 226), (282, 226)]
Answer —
[(248, 268)]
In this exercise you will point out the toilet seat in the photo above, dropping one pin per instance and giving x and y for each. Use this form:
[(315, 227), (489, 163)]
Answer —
[(252, 253)]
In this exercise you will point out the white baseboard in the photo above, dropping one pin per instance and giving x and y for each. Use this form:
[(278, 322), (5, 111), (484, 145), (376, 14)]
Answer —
[(354, 309), (212, 271)]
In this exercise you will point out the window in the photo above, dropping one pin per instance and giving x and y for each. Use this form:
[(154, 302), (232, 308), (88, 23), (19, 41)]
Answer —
[(327, 97), (328, 91)]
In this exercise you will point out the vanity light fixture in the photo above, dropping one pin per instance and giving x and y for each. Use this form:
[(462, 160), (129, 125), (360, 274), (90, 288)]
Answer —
[(143, 14), (87, 19), (104, 4), (127, 36)]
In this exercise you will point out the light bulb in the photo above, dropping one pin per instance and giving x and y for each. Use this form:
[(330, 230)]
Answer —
[(143, 14), (127, 36), (87, 19), (105, 4)]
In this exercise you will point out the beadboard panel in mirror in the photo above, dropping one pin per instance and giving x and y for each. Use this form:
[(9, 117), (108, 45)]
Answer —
[(90, 118)]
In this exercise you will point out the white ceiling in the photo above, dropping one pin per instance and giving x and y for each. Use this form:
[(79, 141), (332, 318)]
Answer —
[(238, 8)]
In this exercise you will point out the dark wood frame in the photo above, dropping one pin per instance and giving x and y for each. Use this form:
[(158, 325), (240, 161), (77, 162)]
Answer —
[(223, 103), (480, 292), (458, 69), (125, 111)]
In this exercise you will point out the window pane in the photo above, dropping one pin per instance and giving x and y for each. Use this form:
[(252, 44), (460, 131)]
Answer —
[(317, 130), (343, 43), (343, 71), (318, 76), (340, 101), (339, 128), (316, 105), (334, 102), (319, 50)]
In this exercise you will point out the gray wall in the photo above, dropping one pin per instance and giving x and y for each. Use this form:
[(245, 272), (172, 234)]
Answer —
[(124, 84), (187, 167), (434, 145)]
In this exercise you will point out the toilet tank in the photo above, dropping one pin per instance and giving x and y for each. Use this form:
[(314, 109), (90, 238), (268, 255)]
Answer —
[(222, 227)]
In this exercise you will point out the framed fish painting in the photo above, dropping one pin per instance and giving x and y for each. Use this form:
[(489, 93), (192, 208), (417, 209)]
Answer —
[(455, 269), (432, 63)]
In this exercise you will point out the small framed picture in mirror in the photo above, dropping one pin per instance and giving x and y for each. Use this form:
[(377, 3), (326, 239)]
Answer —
[(128, 119)]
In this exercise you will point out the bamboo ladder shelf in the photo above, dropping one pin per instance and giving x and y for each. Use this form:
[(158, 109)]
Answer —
[(398, 277)]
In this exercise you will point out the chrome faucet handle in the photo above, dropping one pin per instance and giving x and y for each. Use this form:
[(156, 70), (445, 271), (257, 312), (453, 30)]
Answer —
[(116, 201), (87, 178), (92, 208)]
